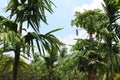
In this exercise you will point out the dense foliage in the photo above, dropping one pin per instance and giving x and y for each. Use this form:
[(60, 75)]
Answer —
[(94, 58)]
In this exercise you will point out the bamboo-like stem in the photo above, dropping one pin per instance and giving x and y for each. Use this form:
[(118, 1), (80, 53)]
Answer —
[(17, 54)]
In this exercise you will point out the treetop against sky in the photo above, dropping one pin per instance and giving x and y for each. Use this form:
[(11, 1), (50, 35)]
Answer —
[(62, 16)]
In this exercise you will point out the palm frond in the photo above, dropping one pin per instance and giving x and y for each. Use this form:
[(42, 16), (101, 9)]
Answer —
[(32, 11), (54, 31), (44, 43)]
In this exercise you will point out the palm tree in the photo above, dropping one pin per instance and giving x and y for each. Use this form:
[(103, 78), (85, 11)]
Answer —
[(43, 41), (111, 8), (32, 12)]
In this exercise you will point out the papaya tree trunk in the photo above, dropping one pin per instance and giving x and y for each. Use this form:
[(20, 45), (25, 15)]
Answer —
[(91, 34), (91, 75)]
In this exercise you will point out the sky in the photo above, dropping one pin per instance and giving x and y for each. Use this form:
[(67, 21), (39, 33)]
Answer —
[(62, 16)]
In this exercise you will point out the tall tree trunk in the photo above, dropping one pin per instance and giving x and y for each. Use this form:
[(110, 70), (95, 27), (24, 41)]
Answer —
[(16, 64), (111, 63), (91, 35), (91, 74), (17, 54)]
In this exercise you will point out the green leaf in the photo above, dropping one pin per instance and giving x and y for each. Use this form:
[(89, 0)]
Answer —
[(54, 31)]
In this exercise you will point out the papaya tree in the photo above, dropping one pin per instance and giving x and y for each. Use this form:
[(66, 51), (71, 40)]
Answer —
[(106, 28)]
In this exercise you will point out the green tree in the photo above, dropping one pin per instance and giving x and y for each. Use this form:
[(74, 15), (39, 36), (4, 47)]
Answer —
[(90, 20), (6, 66), (111, 8), (91, 60), (46, 64), (32, 12), (106, 28), (63, 52)]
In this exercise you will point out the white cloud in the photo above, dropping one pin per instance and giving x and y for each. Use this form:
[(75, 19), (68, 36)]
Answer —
[(67, 1), (94, 5), (70, 39)]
